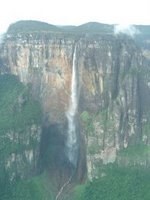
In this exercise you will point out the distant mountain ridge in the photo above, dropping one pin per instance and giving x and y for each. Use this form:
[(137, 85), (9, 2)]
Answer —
[(90, 27), (31, 26)]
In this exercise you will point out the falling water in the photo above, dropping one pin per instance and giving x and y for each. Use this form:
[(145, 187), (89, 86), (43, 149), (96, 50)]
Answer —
[(71, 114)]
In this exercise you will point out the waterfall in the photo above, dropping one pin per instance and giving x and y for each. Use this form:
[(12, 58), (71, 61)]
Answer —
[(71, 114)]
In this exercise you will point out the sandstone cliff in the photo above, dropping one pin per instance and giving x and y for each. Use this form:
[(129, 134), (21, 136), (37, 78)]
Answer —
[(113, 88)]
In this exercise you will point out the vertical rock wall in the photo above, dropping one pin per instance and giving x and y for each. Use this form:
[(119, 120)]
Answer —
[(110, 82)]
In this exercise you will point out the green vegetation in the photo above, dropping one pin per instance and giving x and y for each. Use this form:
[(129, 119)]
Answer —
[(17, 109), (18, 112), (37, 188), (79, 192), (134, 155), (36, 26), (87, 121), (116, 183), (136, 151), (95, 27), (30, 26)]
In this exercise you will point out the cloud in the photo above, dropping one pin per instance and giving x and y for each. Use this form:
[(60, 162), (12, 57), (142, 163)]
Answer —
[(127, 29)]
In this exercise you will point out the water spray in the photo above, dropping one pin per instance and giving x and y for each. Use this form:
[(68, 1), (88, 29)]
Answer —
[(71, 143)]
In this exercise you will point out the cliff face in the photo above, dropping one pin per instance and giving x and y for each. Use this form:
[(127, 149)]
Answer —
[(112, 81), (20, 131), (47, 66)]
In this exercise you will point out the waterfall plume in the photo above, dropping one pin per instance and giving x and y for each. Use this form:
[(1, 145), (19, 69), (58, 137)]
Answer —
[(71, 144)]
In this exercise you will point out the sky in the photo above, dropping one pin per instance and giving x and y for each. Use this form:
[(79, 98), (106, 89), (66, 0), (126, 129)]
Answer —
[(69, 12)]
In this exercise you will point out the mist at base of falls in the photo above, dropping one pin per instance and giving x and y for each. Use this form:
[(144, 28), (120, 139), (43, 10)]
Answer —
[(72, 144)]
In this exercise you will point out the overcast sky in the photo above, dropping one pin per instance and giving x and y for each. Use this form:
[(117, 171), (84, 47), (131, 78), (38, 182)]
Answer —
[(64, 12)]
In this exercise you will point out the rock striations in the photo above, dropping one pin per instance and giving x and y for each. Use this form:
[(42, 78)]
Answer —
[(113, 111)]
